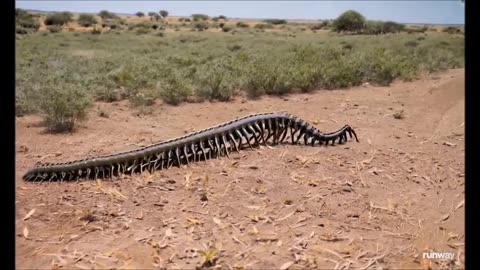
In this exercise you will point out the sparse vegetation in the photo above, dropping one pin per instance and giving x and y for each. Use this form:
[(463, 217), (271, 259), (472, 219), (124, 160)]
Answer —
[(54, 28), (86, 20), (452, 30), (59, 18), (200, 25), (25, 21), (275, 21), (105, 14), (198, 17), (263, 26), (226, 28), (194, 66), (63, 105), (242, 25)]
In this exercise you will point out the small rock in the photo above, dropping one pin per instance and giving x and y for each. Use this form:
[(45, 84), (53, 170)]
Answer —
[(203, 197), (23, 149)]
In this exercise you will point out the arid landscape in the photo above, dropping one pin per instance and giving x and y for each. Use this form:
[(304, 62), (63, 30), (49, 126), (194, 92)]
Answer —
[(131, 81), (376, 203)]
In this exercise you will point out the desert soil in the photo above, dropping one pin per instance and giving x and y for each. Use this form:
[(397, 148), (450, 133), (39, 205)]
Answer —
[(378, 203)]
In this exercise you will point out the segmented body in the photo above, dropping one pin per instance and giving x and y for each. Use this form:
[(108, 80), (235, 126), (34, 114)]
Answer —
[(214, 142)]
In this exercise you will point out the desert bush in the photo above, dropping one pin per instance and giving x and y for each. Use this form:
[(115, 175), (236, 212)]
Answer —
[(96, 31), (105, 14), (54, 28), (221, 17), (25, 103), (20, 30), (381, 68), (267, 76), (305, 69), (349, 21), (198, 17), (63, 105), (163, 13), (200, 25), (275, 21), (216, 81), (143, 99), (339, 69), (378, 27), (58, 18), (263, 26), (26, 20), (174, 89), (226, 28), (316, 26), (86, 20), (109, 94), (452, 30), (140, 14), (242, 25), (111, 24)]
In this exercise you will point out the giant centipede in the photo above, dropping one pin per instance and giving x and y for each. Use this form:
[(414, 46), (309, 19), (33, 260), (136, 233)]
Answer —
[(214, 142)]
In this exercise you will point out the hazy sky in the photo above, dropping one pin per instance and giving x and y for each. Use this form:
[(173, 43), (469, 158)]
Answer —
[(440, 12)]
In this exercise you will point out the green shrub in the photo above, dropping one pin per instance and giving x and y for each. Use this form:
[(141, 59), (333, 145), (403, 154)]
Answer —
[(174, 89), (25, 103), (267, 76), (142, 99), (140, 14), (198, 17), (317, 26), (226, 28), (104, 14), (349, 21), (54, 28), (63, 106), (381, 67), (263, 26), (275, 21), (216, 81), (26, 20), (58, 18), (339, 69), (86, 20), (20, 30), (200, 26), (452, 30), (305, 69), (242, 25)]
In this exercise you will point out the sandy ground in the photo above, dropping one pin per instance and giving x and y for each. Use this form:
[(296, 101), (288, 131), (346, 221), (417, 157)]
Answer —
[(378, 203)]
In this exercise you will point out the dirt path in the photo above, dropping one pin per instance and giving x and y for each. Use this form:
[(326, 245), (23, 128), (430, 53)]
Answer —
[(377, 203)]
